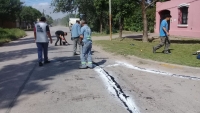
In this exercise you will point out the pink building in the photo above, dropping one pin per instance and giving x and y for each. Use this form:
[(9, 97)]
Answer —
[(185, 19)]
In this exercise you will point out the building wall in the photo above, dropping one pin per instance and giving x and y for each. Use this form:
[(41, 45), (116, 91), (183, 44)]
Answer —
[(193, 28), (8, 24)]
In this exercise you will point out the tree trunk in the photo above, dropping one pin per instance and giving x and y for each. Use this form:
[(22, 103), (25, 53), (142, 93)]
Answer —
[(101, 27), (145, 27), (101, 23), (2, 23), (120, 26)]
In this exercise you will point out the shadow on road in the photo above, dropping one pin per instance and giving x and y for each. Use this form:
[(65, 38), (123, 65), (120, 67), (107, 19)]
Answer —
[(19, 79), (26, 78), (16, 54), (23, 41)]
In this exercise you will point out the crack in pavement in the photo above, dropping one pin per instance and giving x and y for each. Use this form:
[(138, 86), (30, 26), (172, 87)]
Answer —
[(153, 71), (116, 89), (20, 89)]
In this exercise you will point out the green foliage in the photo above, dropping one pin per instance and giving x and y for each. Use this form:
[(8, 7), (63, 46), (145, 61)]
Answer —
[(129, 12), (7, 35), (123, 8), (29, 14), (49, 19), (65, 5), (134, 23), (101, 8), (10, 9), (151, 13)]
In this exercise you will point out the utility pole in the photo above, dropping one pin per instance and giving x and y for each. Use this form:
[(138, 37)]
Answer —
[(43, 12), (110, 18)]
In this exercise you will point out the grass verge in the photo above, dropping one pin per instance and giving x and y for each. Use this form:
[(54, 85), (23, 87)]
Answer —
[(7, 35), (181, 53)]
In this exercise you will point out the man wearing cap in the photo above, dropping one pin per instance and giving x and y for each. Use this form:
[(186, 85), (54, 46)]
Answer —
[(85, 38), (41, 34), (75, 32), (164, 33)]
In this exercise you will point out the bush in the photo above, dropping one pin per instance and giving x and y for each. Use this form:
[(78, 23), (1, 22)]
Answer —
[(7, 35)]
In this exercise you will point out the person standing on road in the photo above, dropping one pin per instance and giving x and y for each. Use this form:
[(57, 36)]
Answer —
[(86, 41), (164, 33), (75, 32), (60, 37), (41, 34)]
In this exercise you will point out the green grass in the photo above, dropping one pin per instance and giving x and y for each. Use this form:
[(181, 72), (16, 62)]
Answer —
[(181, 53), (29, 29), (115, 33), (7, 35), (99, 34)]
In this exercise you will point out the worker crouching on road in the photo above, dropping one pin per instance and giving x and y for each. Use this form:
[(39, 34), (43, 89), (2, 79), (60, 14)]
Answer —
[(86, 41), (61, 37)]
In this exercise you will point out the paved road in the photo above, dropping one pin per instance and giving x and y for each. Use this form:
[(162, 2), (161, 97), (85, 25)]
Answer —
[(115, 85)]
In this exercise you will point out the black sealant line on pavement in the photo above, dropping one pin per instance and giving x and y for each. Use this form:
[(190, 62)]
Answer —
[(20, 89), (119, 91)]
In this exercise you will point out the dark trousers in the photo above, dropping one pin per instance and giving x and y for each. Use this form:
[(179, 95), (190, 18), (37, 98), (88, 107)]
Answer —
[(164, 41), (75, 43), (42, 48), (58, 38)]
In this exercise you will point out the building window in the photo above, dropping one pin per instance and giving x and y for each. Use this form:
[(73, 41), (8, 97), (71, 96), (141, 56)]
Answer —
[(184, 11), (183, 15)]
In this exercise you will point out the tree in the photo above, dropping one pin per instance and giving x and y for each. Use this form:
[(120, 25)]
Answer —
[(146, 4), (65, 5), (122, 9), (101, 7), (83, 6), (134, 23), (10, 9), (129, 14), (49, 19), (29, 14)]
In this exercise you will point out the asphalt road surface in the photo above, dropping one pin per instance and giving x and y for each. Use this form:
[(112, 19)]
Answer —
[(115, 85)]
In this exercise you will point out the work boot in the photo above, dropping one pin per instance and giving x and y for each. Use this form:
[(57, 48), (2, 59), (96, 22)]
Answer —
[(166, 52), (75, 54), (83, 67), (40, 64), (46, 62), (90, 66), (154, 50)]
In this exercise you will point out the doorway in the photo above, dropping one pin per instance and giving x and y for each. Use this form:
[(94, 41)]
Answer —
[(162, 16)]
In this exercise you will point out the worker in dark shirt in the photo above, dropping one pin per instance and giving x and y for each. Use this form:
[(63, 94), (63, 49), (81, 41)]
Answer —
[(60, 36)]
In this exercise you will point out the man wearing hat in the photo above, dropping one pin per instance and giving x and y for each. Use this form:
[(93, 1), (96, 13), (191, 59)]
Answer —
[(164, 33)]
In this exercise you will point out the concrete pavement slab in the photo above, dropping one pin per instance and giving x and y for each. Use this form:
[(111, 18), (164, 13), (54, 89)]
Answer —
[(56, 87)]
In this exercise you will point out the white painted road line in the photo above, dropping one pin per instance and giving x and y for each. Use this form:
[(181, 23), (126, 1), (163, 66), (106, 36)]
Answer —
[(119, 63), (115, 89)]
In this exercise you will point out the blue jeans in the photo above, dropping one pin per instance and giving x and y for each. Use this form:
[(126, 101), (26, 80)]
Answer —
[(86, 54), (42, 48)]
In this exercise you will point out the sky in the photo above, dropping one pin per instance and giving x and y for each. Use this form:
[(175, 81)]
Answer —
[(43, 4)]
